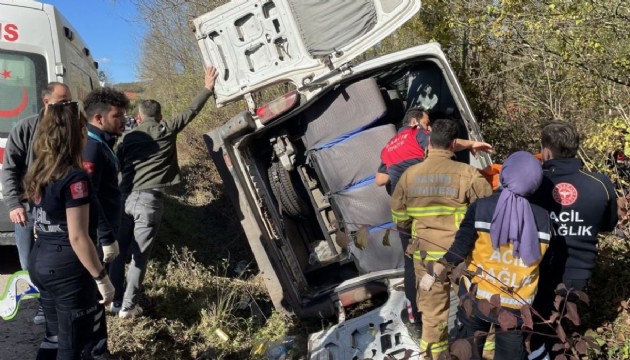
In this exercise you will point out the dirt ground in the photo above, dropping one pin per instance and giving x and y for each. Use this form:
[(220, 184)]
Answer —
[(19, 338)]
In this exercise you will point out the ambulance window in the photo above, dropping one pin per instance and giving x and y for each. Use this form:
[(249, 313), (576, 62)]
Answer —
[(23, 76), (79, 81)]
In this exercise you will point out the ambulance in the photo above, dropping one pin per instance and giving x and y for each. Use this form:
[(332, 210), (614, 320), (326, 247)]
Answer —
[(37, 46)]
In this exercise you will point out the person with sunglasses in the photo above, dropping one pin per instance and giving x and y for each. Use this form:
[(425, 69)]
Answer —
[(64, 264), (18, 155)]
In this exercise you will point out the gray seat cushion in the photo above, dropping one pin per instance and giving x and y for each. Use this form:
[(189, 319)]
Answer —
[(363, 204), (342, 112), (354, 159)]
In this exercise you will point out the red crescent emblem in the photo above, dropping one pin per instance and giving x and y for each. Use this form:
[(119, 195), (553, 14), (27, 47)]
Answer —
[(18, 109), (564, 194)]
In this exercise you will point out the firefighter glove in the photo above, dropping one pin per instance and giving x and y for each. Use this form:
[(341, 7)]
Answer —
[(428, 280)]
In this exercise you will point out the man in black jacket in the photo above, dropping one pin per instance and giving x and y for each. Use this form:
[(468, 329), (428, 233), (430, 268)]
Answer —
[(105, 109), (581, 204), (18, 155)]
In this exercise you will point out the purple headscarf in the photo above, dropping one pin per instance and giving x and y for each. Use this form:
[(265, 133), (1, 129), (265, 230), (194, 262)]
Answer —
[(513, 220)]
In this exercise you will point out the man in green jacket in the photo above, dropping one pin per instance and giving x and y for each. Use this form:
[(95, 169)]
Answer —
[(148, 156)]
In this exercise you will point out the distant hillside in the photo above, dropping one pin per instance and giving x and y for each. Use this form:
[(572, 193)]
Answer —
[(136, 87)]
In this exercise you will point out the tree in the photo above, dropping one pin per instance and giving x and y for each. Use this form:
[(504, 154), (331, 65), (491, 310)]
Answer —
[(531, 61), (171, 70)]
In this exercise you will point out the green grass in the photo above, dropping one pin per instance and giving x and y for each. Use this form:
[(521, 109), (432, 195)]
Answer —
[(192, 290), (186, 303), (192, 293)]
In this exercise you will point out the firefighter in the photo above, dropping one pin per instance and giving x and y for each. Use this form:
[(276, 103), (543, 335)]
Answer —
[(506, 236), (407, 148), (430, 200)]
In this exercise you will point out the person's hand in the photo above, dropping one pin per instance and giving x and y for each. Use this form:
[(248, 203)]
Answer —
[(438, 269), (110, 252), (18, 216), (106, 289), (428, 280), (211, 77), (480, 146)]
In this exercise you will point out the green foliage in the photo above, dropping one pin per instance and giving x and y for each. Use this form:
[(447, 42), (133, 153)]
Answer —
[(599, 145), (525, 62), (520, 62)]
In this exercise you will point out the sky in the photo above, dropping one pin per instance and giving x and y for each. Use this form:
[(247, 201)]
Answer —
[(112, 31)]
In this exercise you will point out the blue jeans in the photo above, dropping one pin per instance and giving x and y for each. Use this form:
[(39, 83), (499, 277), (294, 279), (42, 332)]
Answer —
[(139, 225), (24, 240)]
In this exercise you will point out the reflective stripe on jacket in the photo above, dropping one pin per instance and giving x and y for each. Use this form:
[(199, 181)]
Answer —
[(431, 199), (509, 277)]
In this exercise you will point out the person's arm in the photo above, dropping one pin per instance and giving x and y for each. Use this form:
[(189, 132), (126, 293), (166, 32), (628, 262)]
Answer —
[(398, 204), (473, 146), (611, 217), (179, 122), (14, 166), (479, 187), (465, 238), (461, 247), (381, 178), (78, 220), (77, 195), (93, 160), (119, 150)]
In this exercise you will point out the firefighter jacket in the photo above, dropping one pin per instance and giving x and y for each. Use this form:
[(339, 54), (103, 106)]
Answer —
[(431, 199), (580, 205), (502, 272)]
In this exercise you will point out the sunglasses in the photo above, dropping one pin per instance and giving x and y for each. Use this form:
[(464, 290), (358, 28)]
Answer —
[(74, 106)]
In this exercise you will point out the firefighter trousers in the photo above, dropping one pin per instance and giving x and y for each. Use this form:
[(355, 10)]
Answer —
[(434, 306)]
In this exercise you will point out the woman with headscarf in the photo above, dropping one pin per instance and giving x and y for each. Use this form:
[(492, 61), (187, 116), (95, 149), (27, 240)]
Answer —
[(506, 236)]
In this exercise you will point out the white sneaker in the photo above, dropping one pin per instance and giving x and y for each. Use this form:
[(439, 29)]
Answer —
[(115, 307), (39, 317), (126, 313)]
